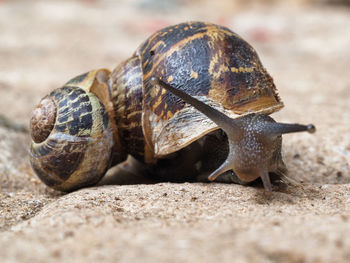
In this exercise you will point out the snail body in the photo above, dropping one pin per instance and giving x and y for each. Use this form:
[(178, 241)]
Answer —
[(191, 97)]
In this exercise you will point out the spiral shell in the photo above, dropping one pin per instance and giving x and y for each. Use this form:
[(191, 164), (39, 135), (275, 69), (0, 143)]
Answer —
[(72, 139), (182, 83), (206, 61)]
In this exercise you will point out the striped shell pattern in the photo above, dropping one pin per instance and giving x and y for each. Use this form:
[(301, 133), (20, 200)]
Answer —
[(100, 117)]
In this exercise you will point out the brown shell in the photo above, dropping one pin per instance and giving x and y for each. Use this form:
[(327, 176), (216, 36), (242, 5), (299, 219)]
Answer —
[(209, 62), (96, 82), (126, 89), (74, 149)]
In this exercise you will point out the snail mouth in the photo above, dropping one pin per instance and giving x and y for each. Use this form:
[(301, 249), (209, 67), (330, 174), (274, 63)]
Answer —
[(42, 120), (247, 177), (253, 175)]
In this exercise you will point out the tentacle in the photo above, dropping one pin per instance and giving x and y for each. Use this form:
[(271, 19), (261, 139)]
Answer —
[(253, 139)]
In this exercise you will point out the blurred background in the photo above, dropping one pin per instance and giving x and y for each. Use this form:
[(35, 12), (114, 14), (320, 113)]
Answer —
[(45, 43)]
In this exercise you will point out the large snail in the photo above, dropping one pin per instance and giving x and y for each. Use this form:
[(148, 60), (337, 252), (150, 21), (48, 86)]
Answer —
[(193, 101)]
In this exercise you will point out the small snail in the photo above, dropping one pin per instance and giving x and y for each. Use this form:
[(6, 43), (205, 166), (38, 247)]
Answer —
[(192, 103)]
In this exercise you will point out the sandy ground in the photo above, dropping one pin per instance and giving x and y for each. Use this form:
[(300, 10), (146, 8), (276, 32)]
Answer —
[(304, 47)]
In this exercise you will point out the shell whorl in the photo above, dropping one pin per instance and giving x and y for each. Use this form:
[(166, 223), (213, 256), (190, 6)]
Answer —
[(72, 143), (43, 120), (127, 98)]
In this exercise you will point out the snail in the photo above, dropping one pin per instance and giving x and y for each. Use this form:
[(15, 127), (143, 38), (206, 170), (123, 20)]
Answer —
[(192, 103)]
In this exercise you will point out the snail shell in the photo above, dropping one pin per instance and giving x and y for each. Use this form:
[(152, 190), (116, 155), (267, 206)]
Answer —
[(184, 82), (72, 137)]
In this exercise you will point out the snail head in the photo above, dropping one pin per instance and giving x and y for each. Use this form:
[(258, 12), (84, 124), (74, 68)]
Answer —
[(254, 139)]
